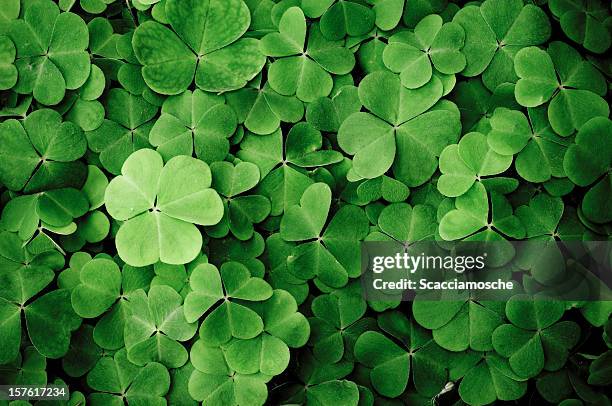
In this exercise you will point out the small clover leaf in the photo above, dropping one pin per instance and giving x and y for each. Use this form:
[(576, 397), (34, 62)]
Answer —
[(155, 327), (299, 71), (433, 43), (8, 71), (99, 288), (124, 131), (194, 121), (161, 202), (205, 43)]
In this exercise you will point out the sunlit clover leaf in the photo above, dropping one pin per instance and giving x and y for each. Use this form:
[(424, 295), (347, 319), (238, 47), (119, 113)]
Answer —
[(8, 71), (241, 212), (326, 114), (409, 350), (214, 382), (337, 323), (393, 133), (126, 129), (572, 85), (156, 325), (205, 43), (535, 340), (494, 32), (39, 155), (283, 184), (230, 318), (194, 121), (539, 150), (99, 288), (51, 52), (160, 205), (468, 162), (262, 109), (300, 71), (489, 380), (432, 43), (115, 378), (584, 22), (388, 13), (586, 160)]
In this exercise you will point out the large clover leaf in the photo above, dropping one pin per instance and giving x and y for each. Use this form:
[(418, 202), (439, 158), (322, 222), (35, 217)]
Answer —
[(584, 22), (299, 71), (51, 54), (156, 325), (392, 135), (39, 154), (205, 43), (160, 205), (494, 32), (194, 121), (560, 75)]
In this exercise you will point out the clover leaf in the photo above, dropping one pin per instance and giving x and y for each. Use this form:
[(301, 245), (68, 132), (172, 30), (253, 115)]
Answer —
[(51, 52), (161, 202), (494, 32), (392, 135), (586, 160), (204, 129), (300, 71), (230, 318), (7, 68), (467, 162), (540, 152), (433, 44), (204, 41), (584, 22), (115, 378), (124, 131), (155, 327), (40, 154), (560, 75)]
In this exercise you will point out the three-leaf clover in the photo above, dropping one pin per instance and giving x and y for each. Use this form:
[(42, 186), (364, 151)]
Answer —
[(205, 41), (51, 52), (432, 43), (584, 22), (160, 205), (40, 154), (393, 134), (572, 85)]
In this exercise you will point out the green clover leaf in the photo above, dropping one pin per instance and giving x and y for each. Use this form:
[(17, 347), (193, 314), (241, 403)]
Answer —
[(584, 22), (433, 44), (560, 75), (194, 121), (393, 134), (41, 153), (494, 32), (8, 71), (51, 55), (206, 42), (161, 202), (155, 327)]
